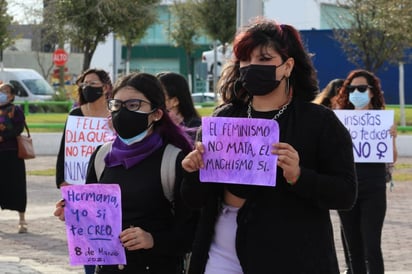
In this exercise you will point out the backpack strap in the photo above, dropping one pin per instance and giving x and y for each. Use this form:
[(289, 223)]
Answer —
[(168, 170), (99, 163)]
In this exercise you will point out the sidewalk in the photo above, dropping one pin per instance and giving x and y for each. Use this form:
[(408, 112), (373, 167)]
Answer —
[(44, 248), (397, 229)]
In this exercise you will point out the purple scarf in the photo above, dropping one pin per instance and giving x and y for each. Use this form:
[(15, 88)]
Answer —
[(128, 156)]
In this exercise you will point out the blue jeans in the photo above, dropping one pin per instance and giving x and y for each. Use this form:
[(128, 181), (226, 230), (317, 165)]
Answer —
[(89, 269)]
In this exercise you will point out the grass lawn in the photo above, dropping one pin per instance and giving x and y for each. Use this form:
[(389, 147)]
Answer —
[(401, 173), (53, 122)]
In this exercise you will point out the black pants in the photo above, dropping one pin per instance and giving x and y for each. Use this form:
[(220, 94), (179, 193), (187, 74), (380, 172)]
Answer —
[(127, 269), (159, 268), (13, 193), (362, 231)]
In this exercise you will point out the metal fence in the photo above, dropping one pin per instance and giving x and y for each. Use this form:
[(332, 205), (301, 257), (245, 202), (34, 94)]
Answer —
[(29, 106)]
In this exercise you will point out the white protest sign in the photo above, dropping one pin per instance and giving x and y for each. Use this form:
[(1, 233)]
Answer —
[(82, 136), (370, 133)]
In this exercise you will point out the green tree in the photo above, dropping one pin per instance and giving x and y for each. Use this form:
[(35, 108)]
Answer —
[(36, 18), (377, 31), (85, 23), (184, 29), (217, 18), (5, 22), (132, 20)]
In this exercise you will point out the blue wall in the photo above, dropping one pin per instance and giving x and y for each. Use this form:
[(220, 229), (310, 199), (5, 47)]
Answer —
[(331, 62)]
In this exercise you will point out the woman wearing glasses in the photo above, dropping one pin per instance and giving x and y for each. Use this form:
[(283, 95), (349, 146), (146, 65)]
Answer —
[(93, 88), (156, 232), (362, 225)]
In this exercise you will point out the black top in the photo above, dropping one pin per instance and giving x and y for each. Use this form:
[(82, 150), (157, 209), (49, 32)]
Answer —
[(13, 190), (191, 126), (60, 156), (371, 177), (285, 229), (144, 205), (11, 125)]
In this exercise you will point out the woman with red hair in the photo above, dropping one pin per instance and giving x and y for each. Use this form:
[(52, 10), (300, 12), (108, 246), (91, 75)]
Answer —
[(287, 228)]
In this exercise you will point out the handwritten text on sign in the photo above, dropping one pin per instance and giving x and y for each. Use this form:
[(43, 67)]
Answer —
[(83, 135), (93, 224), (370, 133), (238, 150)]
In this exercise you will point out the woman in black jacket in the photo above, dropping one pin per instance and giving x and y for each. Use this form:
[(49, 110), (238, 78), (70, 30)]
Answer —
[(362, 226), (287, 228), (157, 231)]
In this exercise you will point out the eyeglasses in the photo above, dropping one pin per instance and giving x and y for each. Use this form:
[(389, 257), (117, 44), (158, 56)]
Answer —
[(361, 88), (91, 83), (133, 105)]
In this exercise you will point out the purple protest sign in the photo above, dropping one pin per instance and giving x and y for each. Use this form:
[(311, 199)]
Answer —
[(93, 223), (238, 150)]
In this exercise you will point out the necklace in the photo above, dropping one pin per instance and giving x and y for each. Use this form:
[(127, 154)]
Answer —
[(277, 115)]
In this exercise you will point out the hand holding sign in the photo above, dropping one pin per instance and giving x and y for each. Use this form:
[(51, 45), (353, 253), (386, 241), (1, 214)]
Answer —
[(135, 238), (238, 150), (371, 134), (93, 224), (288, 161)]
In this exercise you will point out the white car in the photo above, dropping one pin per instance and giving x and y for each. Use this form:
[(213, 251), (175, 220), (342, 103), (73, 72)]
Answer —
[(209, 58), (203, 97)]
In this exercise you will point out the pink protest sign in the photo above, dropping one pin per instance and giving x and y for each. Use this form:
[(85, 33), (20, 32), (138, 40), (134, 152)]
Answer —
[(93, 223), (238, 150)]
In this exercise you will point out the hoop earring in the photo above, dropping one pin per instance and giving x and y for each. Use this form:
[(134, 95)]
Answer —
[(287, 90)]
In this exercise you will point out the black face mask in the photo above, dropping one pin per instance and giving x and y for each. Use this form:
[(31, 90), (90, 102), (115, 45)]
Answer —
[(91, 94), (128, 123), (259, 79)]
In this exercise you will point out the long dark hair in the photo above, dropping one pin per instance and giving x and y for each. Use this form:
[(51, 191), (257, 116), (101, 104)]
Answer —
[(286, 40), (177, 86), (103, 76), (326, 97), (377, 101), (152, 89)]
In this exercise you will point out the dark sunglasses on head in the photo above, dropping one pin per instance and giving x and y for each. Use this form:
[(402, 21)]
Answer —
[(361, 88)]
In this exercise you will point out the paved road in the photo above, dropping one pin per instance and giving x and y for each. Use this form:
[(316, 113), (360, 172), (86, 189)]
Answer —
[(44, 249)]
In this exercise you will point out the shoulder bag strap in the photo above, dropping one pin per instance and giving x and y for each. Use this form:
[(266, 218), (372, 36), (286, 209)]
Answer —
[(99, 163), (168, 170)]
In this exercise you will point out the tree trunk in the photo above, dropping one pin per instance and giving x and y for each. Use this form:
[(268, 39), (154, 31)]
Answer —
[(87, 59)]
